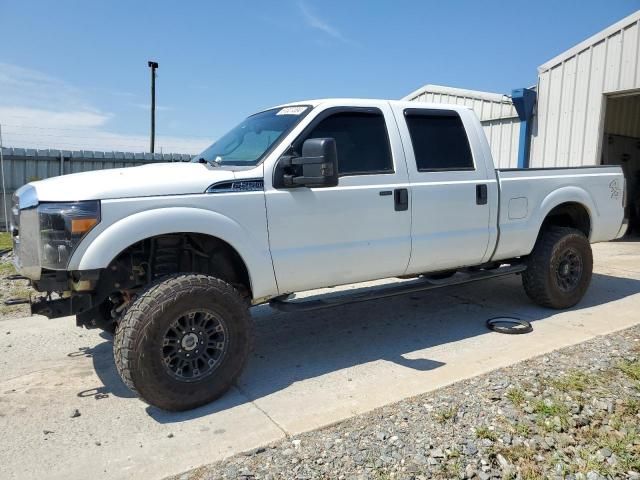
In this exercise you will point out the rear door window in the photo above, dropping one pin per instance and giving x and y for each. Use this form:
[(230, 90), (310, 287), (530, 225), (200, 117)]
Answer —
[(439, 140)]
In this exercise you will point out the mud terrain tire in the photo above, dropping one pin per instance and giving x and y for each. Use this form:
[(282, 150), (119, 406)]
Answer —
[(157, 339), (559, 269)]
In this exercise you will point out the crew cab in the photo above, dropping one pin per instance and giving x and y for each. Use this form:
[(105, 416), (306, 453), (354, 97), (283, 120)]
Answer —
[(171, 256)]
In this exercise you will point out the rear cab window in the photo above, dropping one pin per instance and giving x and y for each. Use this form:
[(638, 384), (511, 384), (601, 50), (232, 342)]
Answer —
[(439, 140)]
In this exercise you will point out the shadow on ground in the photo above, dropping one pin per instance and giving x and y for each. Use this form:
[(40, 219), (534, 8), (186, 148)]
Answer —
[(104, 366), (292, 347)]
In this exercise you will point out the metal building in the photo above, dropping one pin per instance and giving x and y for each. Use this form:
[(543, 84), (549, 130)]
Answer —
[(589, 107), (587, 93), (586, 110), (495, 111)]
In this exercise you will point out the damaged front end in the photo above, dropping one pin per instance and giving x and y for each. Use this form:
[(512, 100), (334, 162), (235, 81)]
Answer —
[(66, 293), (96, 297), (45, 235)]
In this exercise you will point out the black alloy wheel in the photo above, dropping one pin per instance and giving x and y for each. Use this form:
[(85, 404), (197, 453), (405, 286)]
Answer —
[(194, 345)]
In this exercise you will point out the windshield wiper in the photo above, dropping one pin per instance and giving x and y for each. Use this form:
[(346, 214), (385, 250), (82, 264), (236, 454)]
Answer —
[(213, 163)]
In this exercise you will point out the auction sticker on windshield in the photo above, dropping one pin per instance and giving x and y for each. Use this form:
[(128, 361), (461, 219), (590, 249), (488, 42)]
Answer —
[(291, 111)]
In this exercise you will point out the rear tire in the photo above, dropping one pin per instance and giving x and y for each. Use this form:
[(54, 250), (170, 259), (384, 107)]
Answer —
[(184, 341), (559, 269)]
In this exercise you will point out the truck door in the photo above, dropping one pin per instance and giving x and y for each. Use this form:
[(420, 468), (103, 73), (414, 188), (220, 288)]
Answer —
[(356, 231), (451, 190)]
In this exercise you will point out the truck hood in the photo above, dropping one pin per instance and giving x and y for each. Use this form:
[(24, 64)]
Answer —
[(144, 181)]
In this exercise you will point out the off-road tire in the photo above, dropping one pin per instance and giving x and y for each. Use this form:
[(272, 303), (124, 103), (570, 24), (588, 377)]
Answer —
[(138, 343), (540, 280)]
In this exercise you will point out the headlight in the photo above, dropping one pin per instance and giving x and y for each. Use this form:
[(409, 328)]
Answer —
[(62, 226)]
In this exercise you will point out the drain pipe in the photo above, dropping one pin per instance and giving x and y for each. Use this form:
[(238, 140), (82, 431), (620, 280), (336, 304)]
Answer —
[(524, 99)]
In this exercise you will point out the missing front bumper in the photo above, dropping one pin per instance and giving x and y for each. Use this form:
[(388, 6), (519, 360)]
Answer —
[(61, 307)]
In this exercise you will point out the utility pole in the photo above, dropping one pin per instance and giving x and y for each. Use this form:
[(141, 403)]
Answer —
[(4, 190), (153, 66)]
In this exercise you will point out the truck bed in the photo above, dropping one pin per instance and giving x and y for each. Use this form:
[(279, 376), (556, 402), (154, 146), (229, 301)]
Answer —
[(528, 195)]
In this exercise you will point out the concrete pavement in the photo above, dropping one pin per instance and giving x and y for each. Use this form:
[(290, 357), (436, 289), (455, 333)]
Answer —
[(308, 370)]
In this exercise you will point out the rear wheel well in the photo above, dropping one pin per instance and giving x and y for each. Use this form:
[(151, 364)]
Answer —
[(570, 214)]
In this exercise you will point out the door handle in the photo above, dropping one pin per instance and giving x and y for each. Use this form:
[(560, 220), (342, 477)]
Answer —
[(401, 199), (481, 194)]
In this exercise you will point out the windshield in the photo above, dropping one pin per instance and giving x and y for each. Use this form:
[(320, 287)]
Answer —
[(247, 143)]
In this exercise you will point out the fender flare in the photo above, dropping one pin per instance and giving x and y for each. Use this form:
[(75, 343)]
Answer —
[(100, 247), (570, 194), (563, 195)]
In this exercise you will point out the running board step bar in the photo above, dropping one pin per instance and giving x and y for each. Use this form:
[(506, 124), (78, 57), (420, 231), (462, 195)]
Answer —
[(285, 304)]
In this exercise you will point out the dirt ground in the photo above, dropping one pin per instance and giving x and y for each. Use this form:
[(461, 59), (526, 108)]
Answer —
[(12, 289)]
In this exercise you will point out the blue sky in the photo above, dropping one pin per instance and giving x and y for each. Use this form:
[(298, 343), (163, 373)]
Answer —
[(74, 75)]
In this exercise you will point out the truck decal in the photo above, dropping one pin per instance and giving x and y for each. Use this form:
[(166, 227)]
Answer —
[(237, 186)]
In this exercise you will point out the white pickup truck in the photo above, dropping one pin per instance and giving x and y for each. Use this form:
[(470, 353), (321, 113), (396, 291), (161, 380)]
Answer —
[(302, 196)]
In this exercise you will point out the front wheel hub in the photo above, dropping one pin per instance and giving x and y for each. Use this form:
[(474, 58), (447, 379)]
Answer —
[(194, 345), (190, 341)]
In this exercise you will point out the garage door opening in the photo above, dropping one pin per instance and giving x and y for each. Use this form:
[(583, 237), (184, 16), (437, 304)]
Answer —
[(621, 146)]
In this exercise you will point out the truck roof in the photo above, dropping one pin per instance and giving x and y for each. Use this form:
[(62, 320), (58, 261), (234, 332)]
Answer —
[(373, 102)]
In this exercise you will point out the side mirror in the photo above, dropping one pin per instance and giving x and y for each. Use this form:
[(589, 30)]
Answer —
[(317, 167)]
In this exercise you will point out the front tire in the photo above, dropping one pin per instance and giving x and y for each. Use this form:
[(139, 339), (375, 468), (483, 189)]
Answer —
[(184, 341), (559, 269)]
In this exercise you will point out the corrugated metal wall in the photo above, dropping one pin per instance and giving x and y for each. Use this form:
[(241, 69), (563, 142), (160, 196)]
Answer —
[(496, 113), (503, 136), (26, 165), (571, 94)]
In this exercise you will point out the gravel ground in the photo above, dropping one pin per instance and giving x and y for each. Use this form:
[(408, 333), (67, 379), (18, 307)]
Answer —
[(571, 414), (12, 289)]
